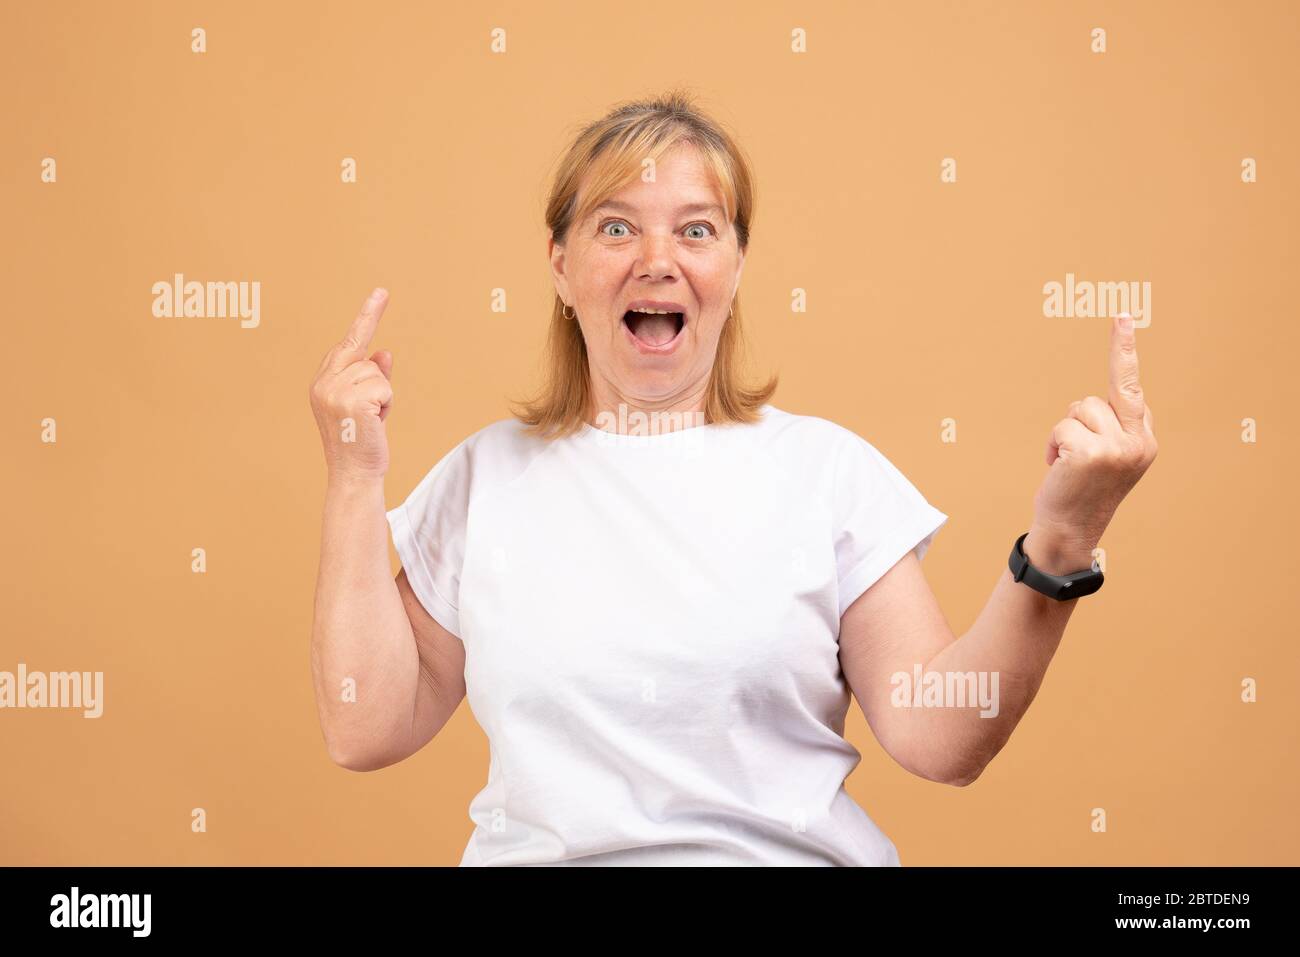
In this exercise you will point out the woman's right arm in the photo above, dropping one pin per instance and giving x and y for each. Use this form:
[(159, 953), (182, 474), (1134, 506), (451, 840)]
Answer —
[(387, 676)]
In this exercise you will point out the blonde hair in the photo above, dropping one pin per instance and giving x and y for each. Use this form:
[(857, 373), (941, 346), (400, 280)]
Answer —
[(611, 150)]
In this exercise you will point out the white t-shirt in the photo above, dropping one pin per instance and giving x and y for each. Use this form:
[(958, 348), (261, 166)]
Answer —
[(651, 627)]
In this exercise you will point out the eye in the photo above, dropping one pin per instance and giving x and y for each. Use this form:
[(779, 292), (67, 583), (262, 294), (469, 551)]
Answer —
[(622, 225)]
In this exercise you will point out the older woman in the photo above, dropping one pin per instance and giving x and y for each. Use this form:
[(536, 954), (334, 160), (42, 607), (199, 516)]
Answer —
[(657, 589)]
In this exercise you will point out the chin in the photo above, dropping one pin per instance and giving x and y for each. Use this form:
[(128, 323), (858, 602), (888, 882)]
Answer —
[(652, 385)]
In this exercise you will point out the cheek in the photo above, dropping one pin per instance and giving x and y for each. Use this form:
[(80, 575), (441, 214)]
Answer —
[(714, 333), (601, 273), (715, 284), (597, 335)]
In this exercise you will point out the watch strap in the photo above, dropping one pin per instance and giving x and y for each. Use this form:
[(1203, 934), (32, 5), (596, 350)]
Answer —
[(1060, 587)]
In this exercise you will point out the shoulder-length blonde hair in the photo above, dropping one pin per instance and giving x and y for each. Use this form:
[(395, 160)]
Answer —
[(610, 152)]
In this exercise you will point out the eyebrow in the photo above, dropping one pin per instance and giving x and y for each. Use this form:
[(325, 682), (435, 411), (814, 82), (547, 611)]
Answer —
[(621, 207)]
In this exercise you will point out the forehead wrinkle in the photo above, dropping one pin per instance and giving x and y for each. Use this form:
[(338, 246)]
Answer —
[(619, 206)]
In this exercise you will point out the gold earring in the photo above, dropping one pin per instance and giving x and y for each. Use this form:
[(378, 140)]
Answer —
[(568, 313)]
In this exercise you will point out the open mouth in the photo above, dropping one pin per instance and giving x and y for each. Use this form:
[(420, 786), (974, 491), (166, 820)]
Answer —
[(654, 327)]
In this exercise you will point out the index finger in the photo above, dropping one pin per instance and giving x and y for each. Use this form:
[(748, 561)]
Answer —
[(1125, 389), (357, 341)]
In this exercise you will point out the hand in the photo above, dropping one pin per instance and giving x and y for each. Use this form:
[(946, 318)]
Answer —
[(351, 396), (1096, 455)]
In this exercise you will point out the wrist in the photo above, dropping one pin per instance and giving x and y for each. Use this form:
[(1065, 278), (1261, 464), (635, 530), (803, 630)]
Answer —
[(350, 484), (1055, 553)]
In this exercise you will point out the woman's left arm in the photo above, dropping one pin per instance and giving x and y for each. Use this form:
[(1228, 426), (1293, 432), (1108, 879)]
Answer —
[(1096, 454)]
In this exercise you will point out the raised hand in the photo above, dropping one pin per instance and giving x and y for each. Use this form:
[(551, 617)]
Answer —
[(351, 396), (1096, 453)]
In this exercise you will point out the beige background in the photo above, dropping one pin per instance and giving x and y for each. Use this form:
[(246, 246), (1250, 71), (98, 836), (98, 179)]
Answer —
[(924, 303)]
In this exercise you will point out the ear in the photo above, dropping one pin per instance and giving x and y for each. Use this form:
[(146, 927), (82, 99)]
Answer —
[(556, 254)]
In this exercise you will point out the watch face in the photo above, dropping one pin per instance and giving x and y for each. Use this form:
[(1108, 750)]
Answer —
[(1086, 584)]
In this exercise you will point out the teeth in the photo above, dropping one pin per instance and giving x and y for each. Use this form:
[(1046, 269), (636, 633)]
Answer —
[(655, 312)]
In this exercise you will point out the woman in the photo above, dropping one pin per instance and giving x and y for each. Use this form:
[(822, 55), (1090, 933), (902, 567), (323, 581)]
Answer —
[(657, 589)]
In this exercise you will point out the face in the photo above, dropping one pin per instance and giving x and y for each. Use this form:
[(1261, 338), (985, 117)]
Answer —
[(664, 246)]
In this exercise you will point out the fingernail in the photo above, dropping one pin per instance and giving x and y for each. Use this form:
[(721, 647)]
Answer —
[(378, 293), (1125, 321)]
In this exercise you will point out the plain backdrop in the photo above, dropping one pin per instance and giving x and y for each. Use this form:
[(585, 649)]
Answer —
[(924, 304)]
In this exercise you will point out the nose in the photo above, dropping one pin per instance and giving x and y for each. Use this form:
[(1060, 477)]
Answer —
[(657, 257)]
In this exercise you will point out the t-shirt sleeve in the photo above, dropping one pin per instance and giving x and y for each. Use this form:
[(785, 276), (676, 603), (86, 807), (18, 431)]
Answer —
[(879, 517), (429, 535)]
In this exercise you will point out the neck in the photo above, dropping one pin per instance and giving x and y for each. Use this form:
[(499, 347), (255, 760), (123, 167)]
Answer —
[(613, 411)]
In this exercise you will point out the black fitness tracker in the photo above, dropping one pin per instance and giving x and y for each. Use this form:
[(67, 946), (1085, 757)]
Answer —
[(1060, 587)]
